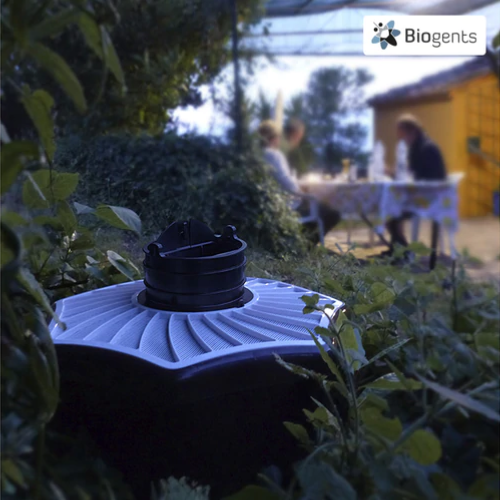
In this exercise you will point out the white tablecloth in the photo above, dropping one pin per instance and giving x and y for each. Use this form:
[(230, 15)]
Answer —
[(381, 201)]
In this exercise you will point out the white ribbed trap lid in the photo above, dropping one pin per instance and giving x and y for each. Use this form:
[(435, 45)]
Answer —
[(112, 318)]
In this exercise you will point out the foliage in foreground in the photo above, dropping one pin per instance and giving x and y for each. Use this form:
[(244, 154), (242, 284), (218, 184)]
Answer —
[(411, 388), (46, 254), (180, 177)]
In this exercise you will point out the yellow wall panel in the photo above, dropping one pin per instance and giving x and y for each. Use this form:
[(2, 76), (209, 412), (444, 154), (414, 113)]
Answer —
[(472, 110)]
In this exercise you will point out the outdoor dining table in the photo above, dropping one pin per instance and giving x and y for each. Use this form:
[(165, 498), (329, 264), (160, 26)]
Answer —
[(377, 202)]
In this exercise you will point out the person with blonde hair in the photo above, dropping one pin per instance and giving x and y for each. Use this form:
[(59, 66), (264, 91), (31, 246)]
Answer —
[(425, 162), (270, 139)]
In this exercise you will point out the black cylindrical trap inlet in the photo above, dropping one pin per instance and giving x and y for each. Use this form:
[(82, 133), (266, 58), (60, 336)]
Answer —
[(189, 268)]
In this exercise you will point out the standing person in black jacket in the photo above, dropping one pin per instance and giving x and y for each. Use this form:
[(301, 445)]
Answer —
[(426, 164)]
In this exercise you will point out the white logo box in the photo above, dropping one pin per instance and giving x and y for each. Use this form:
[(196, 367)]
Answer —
[(448, 35)]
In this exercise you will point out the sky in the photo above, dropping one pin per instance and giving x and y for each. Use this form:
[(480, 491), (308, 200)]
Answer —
[(290, 74)]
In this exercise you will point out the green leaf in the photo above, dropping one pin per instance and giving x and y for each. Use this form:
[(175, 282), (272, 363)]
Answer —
[(310, 300), (324, 332), (62, 186), (334, 286), (112, 58), (462, 400), (47, 220), (494, 464), (13, 156), (54, 24), (375, 401), (485, 339), (119, 217), (298, 432), (13, 218), (299, 370), (82, 209), (34, 288), (485, 487), (48, 363), (54, 64), (98, 38), (365, 308), (67, 217), (376, 423), (38, 106), (391, 383), (350, 338), (423, 446), (321, 417), (13, 472), (381, 294), (320, 480), (124, 266), (382, 297), (253, 493), (338, 386), (409, 384), (11, 251), (82, 241), (387, 350), (351, 341), (91, 32), (445, 486), (328, 360)]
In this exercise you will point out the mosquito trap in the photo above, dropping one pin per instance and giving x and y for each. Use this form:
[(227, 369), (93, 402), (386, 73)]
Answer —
[(177, 374)]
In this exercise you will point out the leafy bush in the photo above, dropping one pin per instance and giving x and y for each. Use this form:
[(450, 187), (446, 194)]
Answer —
[(45, 254), (411, 385), (179, 177)]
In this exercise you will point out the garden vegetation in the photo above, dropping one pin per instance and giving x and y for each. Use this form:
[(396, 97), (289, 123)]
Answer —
[(410, 406)]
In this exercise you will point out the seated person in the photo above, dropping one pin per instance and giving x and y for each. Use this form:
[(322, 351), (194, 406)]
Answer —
[(425, 163), (270, 140), (298, 154), (293, 132)]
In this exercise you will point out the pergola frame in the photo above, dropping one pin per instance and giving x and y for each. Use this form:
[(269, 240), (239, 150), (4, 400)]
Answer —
[(275, 9)]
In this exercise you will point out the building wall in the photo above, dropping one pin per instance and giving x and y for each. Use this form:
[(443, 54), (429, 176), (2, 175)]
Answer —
[(436, 118), (471, 109), (477, 114)]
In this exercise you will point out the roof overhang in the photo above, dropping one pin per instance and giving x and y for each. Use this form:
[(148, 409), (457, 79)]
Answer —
[(435, 97)]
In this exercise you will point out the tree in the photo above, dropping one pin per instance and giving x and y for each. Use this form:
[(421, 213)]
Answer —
[(167, 49), (333, 97)]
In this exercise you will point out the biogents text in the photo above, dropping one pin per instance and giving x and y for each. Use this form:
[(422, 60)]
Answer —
[(437, 38)]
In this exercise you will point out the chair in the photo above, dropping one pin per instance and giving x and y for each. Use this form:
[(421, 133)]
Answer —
[(454, 178), (313, 216)]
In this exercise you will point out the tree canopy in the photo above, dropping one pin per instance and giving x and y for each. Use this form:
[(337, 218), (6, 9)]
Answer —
[(167, 50), (333, 98)]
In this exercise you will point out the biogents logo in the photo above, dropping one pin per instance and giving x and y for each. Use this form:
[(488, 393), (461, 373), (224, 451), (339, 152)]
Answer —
[(385, 34), (424, 35), (437, 38)]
